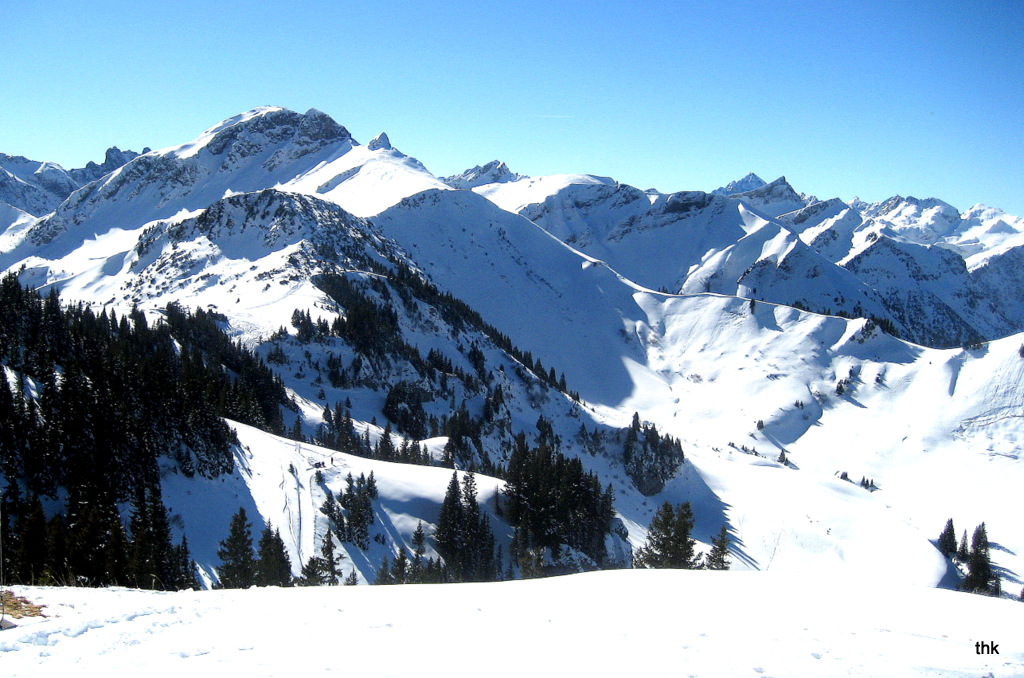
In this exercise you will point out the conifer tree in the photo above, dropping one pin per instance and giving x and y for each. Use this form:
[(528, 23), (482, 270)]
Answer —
[(400, 568), (449, 534), (419, 540), (58, 567), (718, 557), (238, 569), (186, 567), (31, 550), (947, 540), (329, 560), (312, 572), (383, 576), (96, 546), (963, 552), (979, 565), (669, 544), (273, 567), (153, 559)]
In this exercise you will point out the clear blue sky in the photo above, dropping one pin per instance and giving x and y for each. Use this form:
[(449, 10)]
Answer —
[(862, 98)]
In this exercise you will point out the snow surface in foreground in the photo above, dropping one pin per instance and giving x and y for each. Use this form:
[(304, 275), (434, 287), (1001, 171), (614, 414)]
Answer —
[(656, 623)]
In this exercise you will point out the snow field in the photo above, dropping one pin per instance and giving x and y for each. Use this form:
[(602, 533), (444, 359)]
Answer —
[(603, 623)]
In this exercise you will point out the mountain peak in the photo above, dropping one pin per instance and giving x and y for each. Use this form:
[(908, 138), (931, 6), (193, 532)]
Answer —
[(748, 183), (494, 172), (774, 199), (112, 159), (244, 134), (380, 142), (916, 220), (316, 126)]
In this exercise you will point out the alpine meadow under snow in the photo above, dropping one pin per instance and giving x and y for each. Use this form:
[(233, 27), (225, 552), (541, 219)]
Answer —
[(827, 382)]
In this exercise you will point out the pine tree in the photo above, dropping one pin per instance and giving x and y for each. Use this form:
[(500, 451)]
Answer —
[(329, 560), (669, 544), (238, 569), (400, 568), (273, 567), (449, 534), (718, 558), (383, 576), (186, 567), (153, 560), (963, 552), (31, 550), (947, 540), (419, 540), (979, 564), (312, 572), (58, 567)]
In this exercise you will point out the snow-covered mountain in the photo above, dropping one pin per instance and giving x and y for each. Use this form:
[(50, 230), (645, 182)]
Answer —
[(751, 182), (775, 199), (738, 355), (112, 159), (774, 244), (264, 148), (38, 187), (494, 172)]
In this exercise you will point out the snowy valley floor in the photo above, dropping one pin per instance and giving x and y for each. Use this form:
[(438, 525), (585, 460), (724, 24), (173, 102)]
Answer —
[(649, 623)]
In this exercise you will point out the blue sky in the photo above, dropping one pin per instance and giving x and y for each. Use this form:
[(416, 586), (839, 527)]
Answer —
[(844, 98)]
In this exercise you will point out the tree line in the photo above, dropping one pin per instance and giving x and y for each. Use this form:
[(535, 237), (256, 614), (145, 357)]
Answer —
[(89, 406)]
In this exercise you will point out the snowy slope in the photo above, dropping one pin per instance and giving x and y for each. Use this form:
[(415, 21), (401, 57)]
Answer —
[(14, 224), (828, 227), (697, 242), (28, 197), (274, 480), (657, 241), (653, 622), (984, 230), (249, 152), (975, 234), (263, 148), (773, 244), (368, 179), (922, 221), (925, 419), (38, 187), (32, 186), (542, 294), (929, 289), (515, 195)]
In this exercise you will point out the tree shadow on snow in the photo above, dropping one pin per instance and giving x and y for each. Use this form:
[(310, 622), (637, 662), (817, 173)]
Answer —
[(999, 570), (952, 577), (709, 512)]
